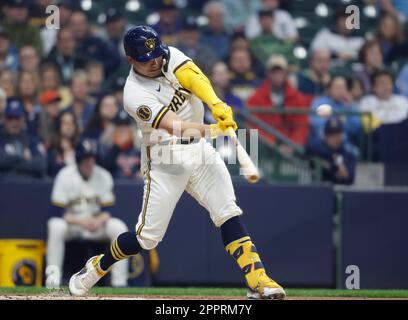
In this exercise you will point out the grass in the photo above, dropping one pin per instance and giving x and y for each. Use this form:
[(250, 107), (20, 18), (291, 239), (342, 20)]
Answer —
[(195, 291)]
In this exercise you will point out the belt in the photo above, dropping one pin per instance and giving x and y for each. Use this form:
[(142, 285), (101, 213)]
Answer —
[(184, 141)]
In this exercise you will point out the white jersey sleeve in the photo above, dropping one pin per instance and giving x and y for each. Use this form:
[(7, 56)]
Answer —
[(176, 59), (60, 194), (106, 195)]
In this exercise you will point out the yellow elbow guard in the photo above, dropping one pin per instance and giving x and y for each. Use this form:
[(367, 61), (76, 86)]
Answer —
[(193, 79)]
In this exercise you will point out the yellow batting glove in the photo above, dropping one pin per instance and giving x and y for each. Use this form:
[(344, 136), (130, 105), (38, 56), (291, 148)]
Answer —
[(221, 111), (221, 128)]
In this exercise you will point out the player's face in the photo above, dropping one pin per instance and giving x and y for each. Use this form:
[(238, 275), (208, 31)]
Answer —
[(151, 68), (86, 166)]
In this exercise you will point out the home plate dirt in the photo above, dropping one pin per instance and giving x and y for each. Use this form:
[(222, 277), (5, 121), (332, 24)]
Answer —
[(158, 297)]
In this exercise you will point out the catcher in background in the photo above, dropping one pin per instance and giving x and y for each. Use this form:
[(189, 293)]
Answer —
[(164, 93)]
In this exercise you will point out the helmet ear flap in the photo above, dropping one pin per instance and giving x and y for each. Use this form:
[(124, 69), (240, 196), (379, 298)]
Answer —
[(166, 57)]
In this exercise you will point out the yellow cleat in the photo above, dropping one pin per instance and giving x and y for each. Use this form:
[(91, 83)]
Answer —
[(266, 289)]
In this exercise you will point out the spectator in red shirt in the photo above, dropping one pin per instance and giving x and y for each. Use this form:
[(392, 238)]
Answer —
[(276, 93)]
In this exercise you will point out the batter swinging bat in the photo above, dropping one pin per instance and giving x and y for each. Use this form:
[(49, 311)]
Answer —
[(250, 171)]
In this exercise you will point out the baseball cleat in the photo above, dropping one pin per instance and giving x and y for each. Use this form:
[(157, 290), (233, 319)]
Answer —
[(266, 289), (82, 281)]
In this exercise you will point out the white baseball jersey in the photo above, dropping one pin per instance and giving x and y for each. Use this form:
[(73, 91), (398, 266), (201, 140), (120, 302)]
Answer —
[(147, 100), (83, 198)]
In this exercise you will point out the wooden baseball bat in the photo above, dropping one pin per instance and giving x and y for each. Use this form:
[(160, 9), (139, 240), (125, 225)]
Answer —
[(250, 171)]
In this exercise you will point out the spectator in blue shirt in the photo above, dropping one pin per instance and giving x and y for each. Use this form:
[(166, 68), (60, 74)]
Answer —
[(338, 161), (339, 98), (214, 34), (22, 156)]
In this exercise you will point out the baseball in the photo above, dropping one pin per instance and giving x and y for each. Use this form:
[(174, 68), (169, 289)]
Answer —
[(324, 110)]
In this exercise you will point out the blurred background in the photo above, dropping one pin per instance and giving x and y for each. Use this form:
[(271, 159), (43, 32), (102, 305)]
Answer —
[(334, 187)]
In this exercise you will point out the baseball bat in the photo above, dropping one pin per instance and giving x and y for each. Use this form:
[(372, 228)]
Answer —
[(250, 171)]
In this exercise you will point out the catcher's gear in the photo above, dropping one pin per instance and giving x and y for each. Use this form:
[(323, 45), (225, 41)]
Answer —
[(143, 43)]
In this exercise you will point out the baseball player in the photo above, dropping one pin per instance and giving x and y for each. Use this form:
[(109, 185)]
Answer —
[(81, 197), (164, 93)]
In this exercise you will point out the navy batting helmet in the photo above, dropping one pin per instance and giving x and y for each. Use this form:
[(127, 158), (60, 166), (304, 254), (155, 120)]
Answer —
[(142, 43), (86, 148)]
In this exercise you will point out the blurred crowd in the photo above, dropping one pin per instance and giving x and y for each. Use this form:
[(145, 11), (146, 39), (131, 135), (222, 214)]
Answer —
[(58, 85)]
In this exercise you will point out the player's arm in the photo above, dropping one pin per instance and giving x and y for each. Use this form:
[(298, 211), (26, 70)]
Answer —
[(173, 124), (193, 79)]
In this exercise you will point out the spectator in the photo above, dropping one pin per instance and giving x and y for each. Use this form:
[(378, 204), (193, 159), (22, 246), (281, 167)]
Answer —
[(95, 72), (91, 46), (238, 13), (202, 55), (65, 55), (238, 41), (81, 106), (384, 106), (276, 93), (283, 27), (121, 158), (102, 118), (339, 98), (266, 43), (15, 22), (117, 89), (169, 25), (390, 36), (339, 42), (8, 83), (8, 53), (61, 151), (314, 80), (48, 35), (49, 100), (338, 161), (82, 199), (50, 78), (27, 91), (243, 78), (396, 8), (214, 34), (22, 156), (371, 58), (115, 29), (357, 92), (29, 59), (220, 79)]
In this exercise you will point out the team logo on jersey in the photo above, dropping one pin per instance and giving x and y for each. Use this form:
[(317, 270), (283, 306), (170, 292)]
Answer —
[(144, 113), (150, 44)]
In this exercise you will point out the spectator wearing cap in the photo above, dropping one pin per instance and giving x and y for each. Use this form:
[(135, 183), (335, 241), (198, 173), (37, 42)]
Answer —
[(61, 151), (244, 79), (48, 35), (266, 43), (168, 25), (275, 93), (90, 46), (313, 80), (189, 43), (50, 78), (65, 55), (101, 122), (338, 161), (115, 29), (82, 106), (8, 52), (340, 42), (283, 26), (121, 158), (22, 156), (214, 34), (49, 101), (337, 95), (384, 106), (28, 89), (16, 22)]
